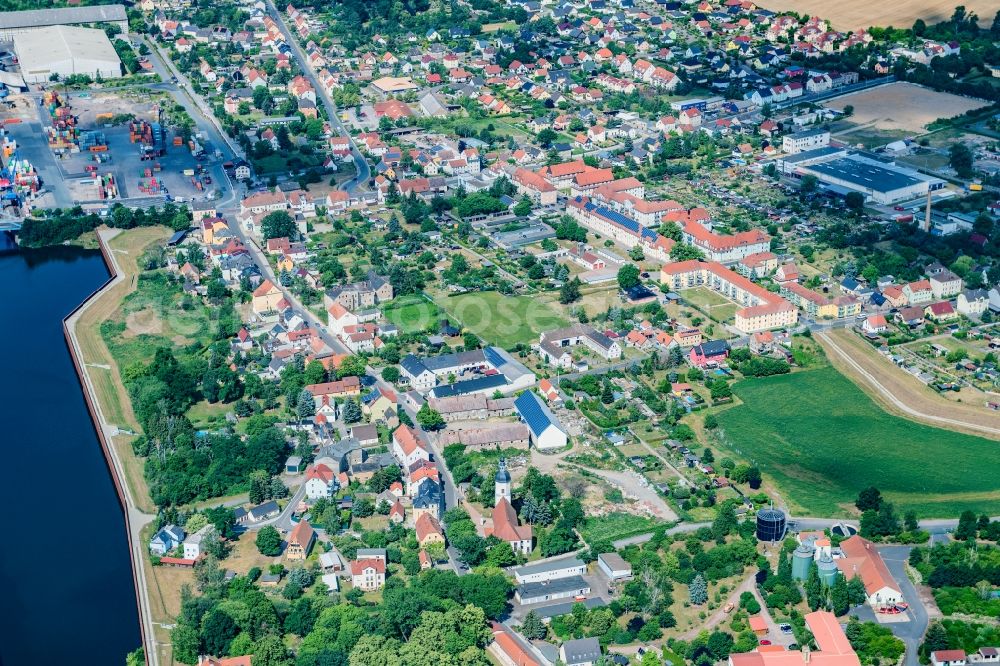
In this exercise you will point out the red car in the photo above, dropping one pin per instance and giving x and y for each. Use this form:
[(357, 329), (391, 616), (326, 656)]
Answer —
[(764, 641)]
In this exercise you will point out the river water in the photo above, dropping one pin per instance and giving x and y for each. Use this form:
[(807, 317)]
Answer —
[(66, 590)]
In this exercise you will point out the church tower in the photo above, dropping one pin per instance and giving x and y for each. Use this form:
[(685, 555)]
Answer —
[(502, 483)]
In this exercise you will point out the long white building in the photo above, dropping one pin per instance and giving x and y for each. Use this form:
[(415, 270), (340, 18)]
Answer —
[(65, 51)]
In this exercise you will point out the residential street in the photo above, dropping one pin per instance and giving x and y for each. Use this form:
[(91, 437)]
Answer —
[(360, 180)]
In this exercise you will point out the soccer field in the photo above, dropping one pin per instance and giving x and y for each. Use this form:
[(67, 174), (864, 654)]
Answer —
[(821, 439), (503, 320)]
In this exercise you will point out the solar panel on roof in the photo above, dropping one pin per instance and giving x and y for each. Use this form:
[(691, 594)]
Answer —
[(532, 411), (494, 357)]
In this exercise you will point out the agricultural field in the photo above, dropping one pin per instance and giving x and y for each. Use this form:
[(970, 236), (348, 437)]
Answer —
[(502, 320), (903, 107), (412, 314), (821, 439), (854, 14)]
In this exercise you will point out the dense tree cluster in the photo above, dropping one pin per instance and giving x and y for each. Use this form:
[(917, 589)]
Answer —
[(56, 226), (957, 564)]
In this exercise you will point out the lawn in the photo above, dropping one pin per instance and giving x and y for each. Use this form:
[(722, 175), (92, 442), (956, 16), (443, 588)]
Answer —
[(502, 320), (821, 440), (412, 314), (713, 304), (614, 526)]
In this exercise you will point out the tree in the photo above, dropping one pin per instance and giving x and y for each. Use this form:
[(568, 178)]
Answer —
[(814, 588), (352, 411), (855, 201), (363, 507), (305, 406), (839, 598), (271, 651), (523, 207), (186, 643), (259, 486), (628, 276), (429, 419), (217, 631), (532, 627), (685, 252), (869, 498), (808, 183), (390, 374), (754, 478), (967, 528), (269, 541), (698, 590), (570, 291), (471, 341), (960, 159), (856, 593), (935, 639), (277, 224)]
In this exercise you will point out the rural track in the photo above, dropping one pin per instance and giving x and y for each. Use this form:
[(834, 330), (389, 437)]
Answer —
[(896, 402)]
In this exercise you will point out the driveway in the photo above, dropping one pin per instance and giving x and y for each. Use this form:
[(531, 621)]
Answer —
[(911, 632)]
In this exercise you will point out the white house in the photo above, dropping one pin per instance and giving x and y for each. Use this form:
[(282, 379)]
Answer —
[(973, 302), (192, 545), (320, 481), (407, 447)]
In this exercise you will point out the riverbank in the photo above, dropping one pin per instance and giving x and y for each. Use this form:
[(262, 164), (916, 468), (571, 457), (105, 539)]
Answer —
[(100, 379)]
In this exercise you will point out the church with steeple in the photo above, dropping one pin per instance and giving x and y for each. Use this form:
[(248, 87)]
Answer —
[(506, 525)]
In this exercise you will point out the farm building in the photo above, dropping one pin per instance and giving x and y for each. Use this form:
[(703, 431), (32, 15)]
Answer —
[(546, 430), (862, 559), (66, 50)]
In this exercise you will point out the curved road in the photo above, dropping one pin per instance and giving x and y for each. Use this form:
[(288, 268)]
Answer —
[(360, 180), (896, 402)]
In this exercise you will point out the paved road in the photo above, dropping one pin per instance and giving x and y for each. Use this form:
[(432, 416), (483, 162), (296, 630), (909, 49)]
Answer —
[(360, 180), (283, 521), (911, 632), (896, 402)]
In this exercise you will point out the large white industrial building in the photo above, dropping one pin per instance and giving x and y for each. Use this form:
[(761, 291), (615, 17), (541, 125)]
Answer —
[(15, 23), (66, 50)]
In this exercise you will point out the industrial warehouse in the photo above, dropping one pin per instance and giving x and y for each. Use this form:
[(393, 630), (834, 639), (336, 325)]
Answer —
[(16, 23), (881, 183), (65, 51)]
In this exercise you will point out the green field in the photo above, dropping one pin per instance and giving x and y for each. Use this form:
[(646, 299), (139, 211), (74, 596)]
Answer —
[(502, 320), (713, 304), (821, 440), (412, 314), (155, 315), (614, 526)]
